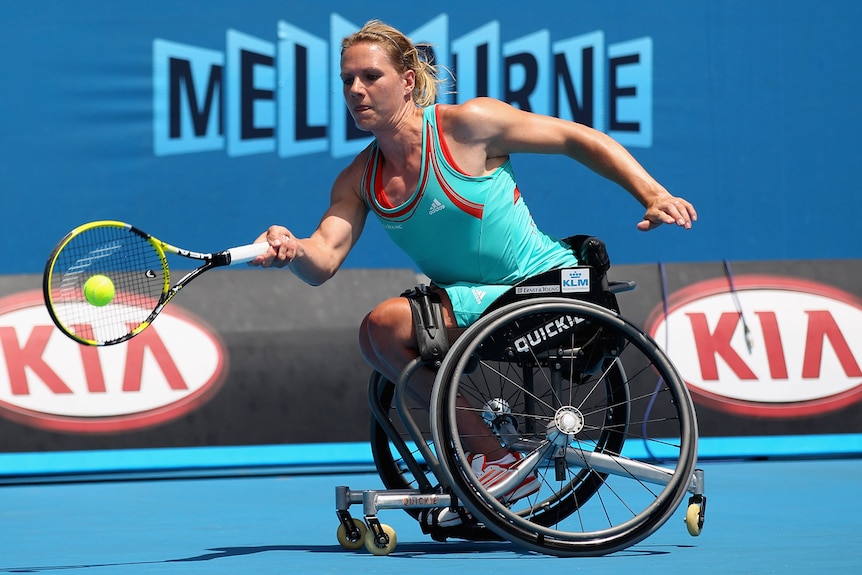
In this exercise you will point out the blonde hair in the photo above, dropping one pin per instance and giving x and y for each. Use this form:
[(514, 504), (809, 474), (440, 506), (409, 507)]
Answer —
[(403, 54)]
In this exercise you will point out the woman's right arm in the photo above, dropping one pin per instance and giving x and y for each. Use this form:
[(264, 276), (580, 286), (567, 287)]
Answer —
[(315, 259)]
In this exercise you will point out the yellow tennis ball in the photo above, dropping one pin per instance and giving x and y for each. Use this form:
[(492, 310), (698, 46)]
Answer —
[(99, 290)]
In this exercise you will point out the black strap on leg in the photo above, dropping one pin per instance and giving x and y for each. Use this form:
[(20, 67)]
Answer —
[(431, 336)]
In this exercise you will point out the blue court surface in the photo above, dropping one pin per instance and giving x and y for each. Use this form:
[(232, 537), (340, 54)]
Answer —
[(776, 515)]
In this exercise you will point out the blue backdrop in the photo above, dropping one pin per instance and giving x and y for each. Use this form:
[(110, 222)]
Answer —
[(203, 122)]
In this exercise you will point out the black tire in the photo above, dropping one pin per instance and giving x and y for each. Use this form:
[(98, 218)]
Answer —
[(619, 477)]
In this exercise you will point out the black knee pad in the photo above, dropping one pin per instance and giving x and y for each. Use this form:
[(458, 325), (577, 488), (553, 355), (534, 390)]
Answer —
[(431, 336)]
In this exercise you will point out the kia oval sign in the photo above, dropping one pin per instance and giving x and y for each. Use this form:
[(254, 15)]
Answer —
[(51, 382), (801, 354)]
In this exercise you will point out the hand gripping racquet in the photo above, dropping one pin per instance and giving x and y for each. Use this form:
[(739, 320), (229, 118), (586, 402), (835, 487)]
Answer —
[(137, 266)]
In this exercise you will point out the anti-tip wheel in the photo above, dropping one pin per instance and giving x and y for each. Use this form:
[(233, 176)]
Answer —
[(349, 543), (693, 521), (375, 548)]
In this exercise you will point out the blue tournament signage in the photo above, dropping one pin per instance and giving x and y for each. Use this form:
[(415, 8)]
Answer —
[(281, 95), (187, 117)]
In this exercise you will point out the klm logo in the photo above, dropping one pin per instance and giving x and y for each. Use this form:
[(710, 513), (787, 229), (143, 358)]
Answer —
[(575, 280), (261, 96)]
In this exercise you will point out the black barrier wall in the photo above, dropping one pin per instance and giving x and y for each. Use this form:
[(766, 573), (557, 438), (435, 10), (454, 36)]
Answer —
[(292, 370), (796, 371), (766, 348)]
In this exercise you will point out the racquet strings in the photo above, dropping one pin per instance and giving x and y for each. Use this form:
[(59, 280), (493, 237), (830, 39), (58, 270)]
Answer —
[(133, 263)]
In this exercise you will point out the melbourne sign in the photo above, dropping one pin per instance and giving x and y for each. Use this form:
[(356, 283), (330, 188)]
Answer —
[(282, 94)]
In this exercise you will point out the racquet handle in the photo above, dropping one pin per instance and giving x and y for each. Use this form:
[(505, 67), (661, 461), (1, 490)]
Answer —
[(243, 254)]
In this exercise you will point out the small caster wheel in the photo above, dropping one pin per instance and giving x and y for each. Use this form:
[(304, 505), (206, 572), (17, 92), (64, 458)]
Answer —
[(346, 541), (376, 548), (693, 519)]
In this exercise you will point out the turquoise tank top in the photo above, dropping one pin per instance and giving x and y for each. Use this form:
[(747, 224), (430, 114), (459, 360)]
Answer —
[(471, 235)]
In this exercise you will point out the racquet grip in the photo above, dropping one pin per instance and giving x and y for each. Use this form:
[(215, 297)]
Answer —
[(243, 254)]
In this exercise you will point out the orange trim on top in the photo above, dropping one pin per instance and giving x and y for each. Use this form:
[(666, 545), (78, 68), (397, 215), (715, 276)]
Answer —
[(443, 146), (377, 195), (473, 208), (377, 188)]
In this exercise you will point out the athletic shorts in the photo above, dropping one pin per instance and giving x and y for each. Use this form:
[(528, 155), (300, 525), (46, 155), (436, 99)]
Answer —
[(469, 300)]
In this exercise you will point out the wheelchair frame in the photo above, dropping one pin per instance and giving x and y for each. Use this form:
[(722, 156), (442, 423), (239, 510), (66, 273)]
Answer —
[(576, 344)]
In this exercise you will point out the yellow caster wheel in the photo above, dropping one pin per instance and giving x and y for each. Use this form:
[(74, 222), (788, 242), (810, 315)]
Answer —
[(377, 549), (349, 543), (693, 520)]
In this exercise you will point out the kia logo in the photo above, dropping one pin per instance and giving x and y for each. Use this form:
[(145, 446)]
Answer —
[(802, 355), (51, 382)]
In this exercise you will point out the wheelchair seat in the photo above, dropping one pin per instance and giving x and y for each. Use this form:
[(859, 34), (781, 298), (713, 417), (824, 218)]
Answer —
[(588, 282)]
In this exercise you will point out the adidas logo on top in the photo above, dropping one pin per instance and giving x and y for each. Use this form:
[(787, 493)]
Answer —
[(436, 206)]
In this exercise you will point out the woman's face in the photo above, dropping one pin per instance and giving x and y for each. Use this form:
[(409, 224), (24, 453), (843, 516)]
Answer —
[(375, 92)]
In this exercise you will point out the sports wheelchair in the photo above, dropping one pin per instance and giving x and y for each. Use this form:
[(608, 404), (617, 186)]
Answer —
[(593, 404)]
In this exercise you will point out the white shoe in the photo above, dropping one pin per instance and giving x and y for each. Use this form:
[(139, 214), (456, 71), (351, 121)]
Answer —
[(489, 475)]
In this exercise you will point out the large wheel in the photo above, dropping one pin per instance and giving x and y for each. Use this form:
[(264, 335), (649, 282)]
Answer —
[(592, 400)]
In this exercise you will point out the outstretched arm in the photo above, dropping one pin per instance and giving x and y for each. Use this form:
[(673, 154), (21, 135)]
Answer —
[(500, 130), (315, 259)]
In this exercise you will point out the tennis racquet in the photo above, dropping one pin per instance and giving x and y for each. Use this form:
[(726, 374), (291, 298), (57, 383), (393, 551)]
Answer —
[(136, 266)]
